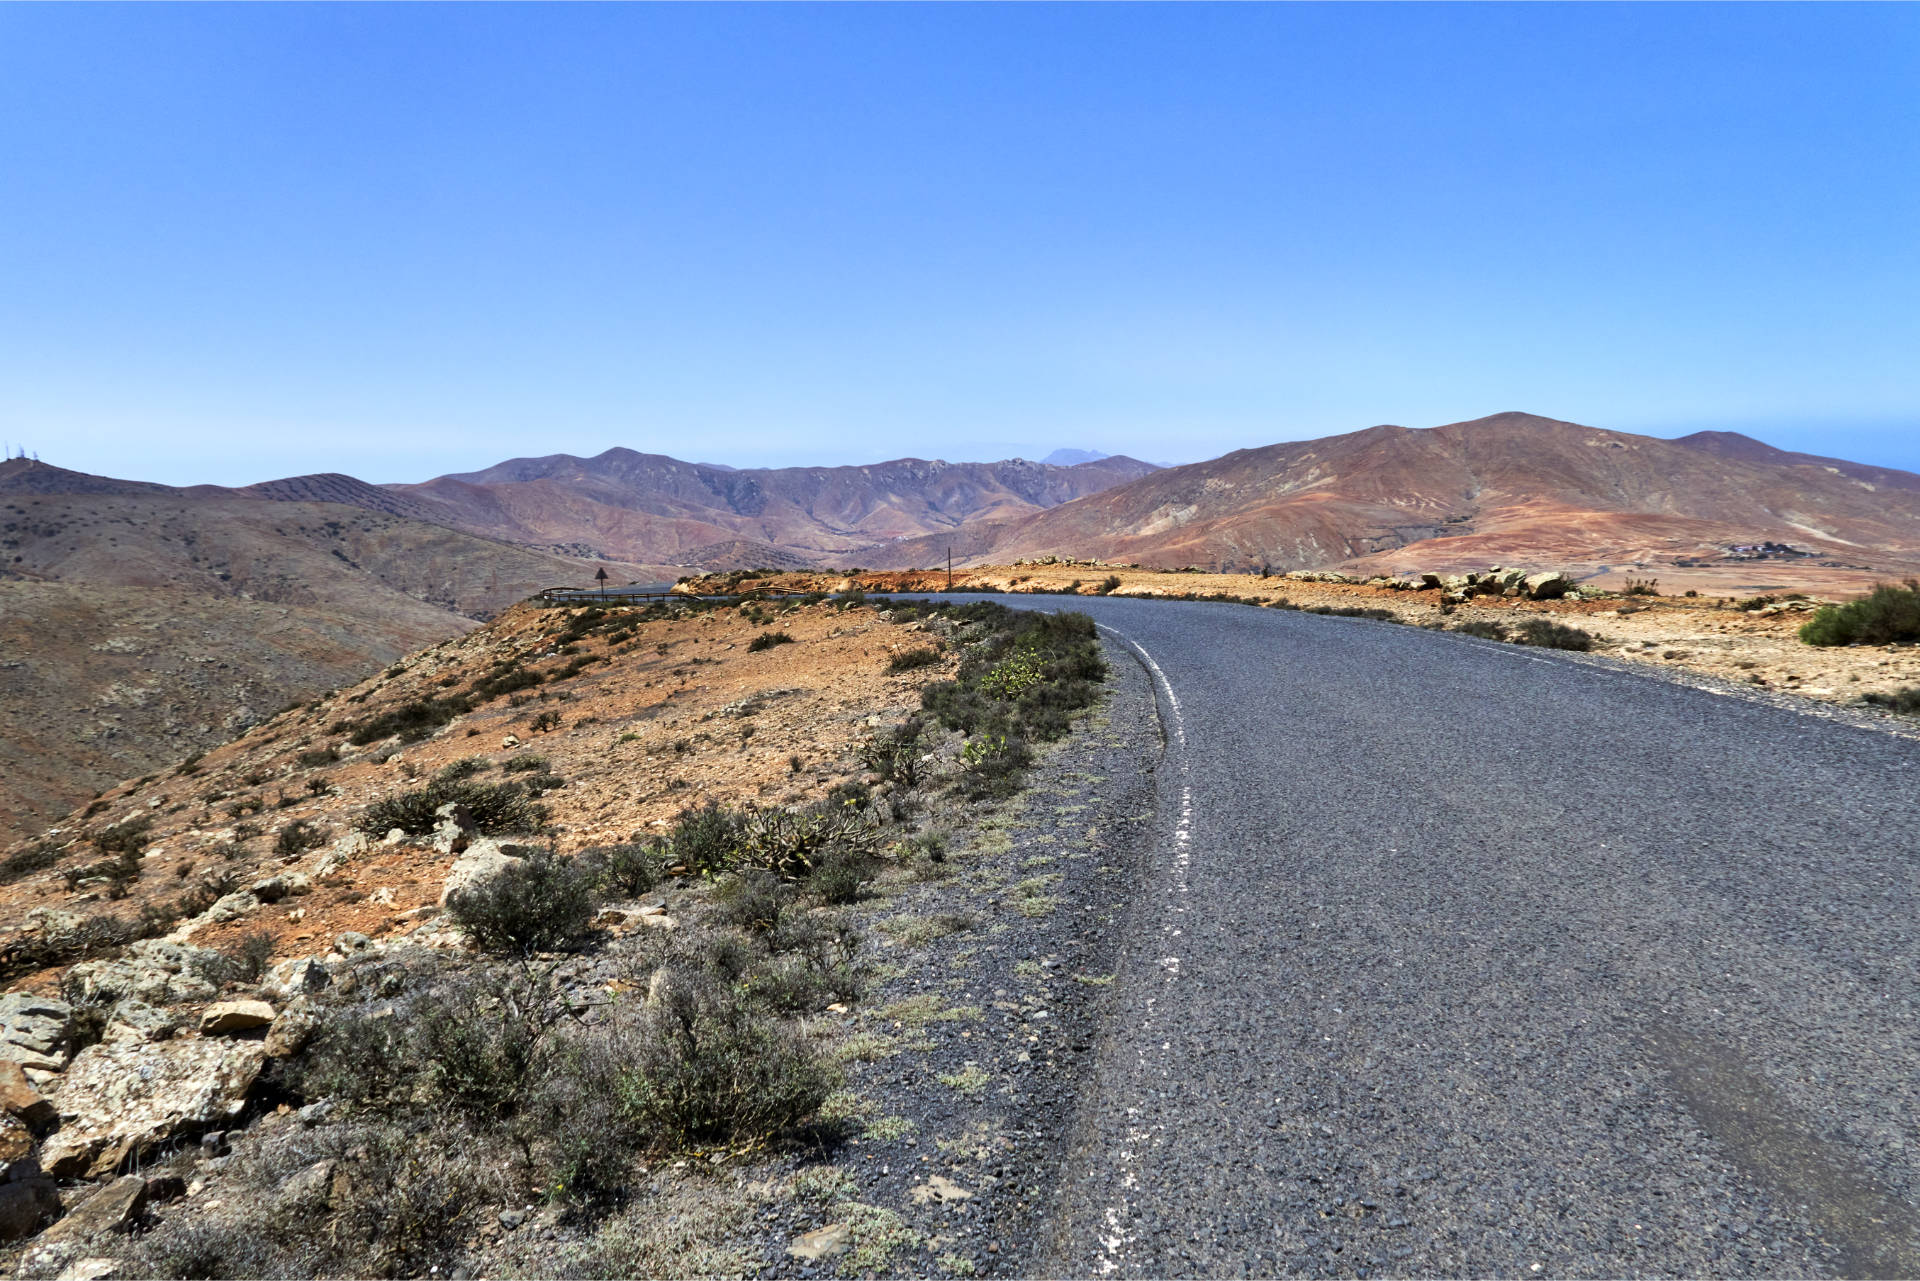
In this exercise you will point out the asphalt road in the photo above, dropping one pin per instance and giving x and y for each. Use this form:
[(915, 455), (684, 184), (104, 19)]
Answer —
[(1461, 958)]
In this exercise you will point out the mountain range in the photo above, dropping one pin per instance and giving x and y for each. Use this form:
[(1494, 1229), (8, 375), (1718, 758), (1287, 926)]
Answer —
[(139, 621)]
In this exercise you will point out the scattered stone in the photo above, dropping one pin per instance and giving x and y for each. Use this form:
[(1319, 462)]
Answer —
[(341, 852), (510, 741), (315, 1188), (482, 861), (291, 1031), (351, 943), (822, 1243), (190, 989), (134, 1020), (1548, 586), (298, 977), (19, 1098), (114, 1208), (120, 1100), (456, 829), (35, 1031), (269, 889), (940, 1190), (224, 1018), (232, 907), (16, 1141)]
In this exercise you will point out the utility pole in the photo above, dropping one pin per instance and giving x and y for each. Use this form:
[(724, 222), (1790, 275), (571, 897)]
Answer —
[(949, 566)]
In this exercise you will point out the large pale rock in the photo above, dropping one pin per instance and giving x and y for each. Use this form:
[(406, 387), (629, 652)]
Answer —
[(154, 971), (483, 860), (19, 1098), (822, 1243), (121, 1100), (114, 1208), (103, 982), (233, 906), (317, 1187), (1549, 586), (456, 829), (34, 1031), (227, 1018), (135, 1020), (298, 977), (292, 1030), (224, 1018)]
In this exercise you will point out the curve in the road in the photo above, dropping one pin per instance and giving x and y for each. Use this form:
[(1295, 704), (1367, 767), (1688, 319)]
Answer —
[(1472, 960)]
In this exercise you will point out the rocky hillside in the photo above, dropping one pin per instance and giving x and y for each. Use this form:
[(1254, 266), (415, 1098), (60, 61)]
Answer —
[(141, 622), (654, 508), (507, 952), (1509, 489)]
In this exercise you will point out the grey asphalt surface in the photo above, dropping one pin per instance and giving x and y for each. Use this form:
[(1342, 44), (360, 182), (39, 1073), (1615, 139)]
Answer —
[(1467, 959)]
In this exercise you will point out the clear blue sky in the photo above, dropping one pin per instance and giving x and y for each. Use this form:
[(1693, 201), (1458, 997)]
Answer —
[(246, 241)]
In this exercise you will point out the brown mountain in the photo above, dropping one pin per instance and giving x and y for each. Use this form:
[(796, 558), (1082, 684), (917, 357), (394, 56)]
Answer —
[(648, 507), (139, 622), (1512, 488)]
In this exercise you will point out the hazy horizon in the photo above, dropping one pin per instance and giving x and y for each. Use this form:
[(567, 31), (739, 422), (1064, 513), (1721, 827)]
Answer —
[(240, 243)]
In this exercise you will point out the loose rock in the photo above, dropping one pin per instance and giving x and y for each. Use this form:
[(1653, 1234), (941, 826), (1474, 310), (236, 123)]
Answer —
[(224, 1018), (120, 1100)]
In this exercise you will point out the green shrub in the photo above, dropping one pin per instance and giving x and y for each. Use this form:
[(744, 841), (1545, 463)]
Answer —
[(497, 809), (706, 838), (1901, 700), (25, 862), (127, 837), (244, 962), (792, 843), (300, 836), (361, 1055), (1484, 630), (767, 640), (841, 878), (627, 870), (526, 762), (894, 754), (510, 678), (1548, 634), (908, 660), (1025, 677), (991, 765), (480, 1056), (1643, 587), (90, 936), (1887, 615), (707, 1068), (543, 903), (753, 901), (1107, 585), (410, 721), (465, 767), (319, 756)]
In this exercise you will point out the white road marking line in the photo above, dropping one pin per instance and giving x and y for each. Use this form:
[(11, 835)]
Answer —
[(1115, 1242)]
